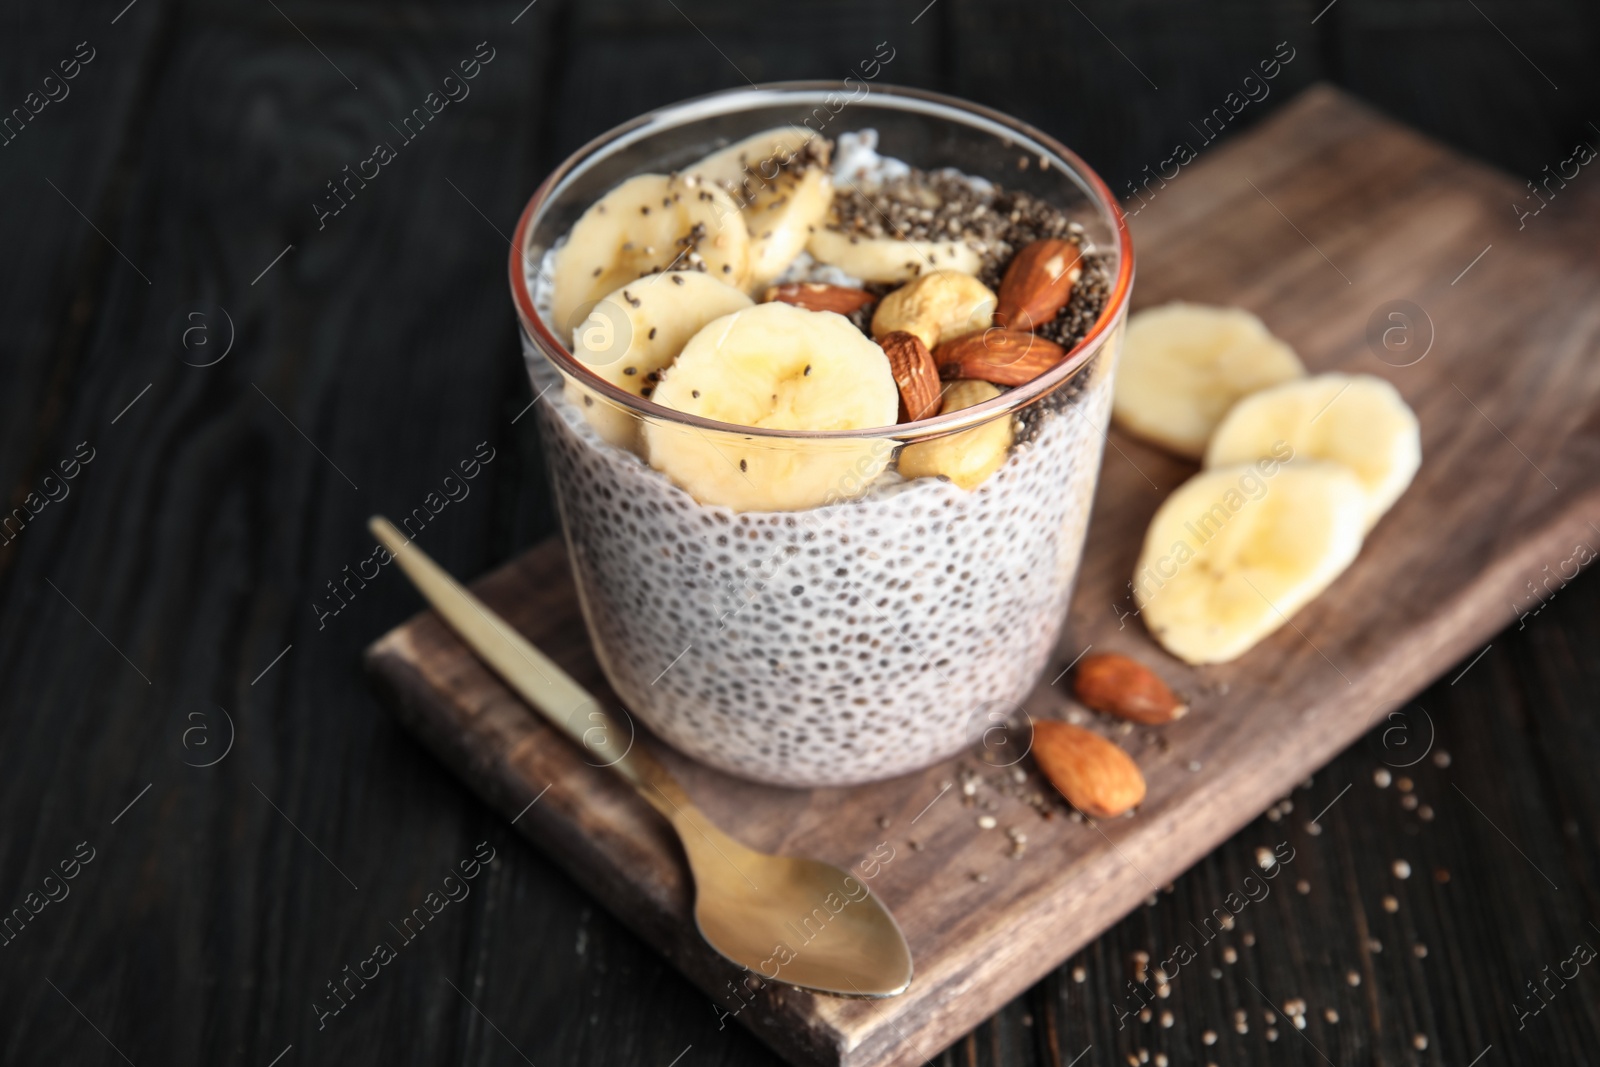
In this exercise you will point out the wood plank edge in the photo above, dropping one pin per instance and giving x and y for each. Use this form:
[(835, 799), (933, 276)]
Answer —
[(790, 1027)]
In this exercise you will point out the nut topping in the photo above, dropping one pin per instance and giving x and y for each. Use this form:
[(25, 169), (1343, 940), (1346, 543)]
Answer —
[(815, 296), (1004, 357), (914, 373), (1038, 284)]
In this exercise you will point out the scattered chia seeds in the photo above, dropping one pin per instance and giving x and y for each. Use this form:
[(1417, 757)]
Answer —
[(995, 222), (1089, 296), (924, 206)]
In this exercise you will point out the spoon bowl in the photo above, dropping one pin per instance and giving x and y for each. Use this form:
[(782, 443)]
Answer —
[(792, 919)]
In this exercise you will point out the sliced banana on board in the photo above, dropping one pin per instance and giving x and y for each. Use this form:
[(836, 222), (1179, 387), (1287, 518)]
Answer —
[(968, 457), (888, 259), (1235, 551), (633, 334), (1357, 421), (1184, 365), (647, 224), (775, 366), (780, 181)]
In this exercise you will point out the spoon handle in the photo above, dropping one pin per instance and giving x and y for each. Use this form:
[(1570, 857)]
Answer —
[(535, 677)]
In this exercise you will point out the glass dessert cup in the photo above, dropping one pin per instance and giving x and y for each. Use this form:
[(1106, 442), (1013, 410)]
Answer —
[(810, 615)]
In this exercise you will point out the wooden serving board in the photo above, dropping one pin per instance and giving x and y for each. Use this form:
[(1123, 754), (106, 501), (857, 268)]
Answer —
[(1315, 220)]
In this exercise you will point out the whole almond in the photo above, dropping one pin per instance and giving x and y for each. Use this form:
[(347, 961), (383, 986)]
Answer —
[(816, 296), (1004, 357), (1038, 283), (914, 374), (1095, 776), (1127, 689)]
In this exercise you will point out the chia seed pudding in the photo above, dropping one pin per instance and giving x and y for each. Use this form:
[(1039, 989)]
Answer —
[(861, 638)]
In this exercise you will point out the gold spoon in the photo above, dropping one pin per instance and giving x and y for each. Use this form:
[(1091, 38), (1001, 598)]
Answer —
[(791, 920)]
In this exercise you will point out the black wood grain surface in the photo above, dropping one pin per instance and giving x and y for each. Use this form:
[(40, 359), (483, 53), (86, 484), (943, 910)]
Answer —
[(235, 377)]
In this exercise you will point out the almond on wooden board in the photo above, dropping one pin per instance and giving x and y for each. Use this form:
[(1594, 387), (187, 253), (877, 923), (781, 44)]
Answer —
[(1096, 777), (816, 296), (1038, 283), (914, 374), (1127, 689), (1003, 357)]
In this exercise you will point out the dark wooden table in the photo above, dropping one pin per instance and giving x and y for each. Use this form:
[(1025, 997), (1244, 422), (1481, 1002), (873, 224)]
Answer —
[(233, 387)]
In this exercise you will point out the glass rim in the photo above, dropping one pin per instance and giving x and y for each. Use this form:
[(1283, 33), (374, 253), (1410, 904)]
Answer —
[(728, 101)]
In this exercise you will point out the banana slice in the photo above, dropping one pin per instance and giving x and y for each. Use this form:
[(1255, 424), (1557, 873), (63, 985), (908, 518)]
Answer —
[(780, 181), (1184, 365), (887, 259), (634, 333), (644, 225), (1357, 421), (775, 366), (968, 457), (1235, 551)]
